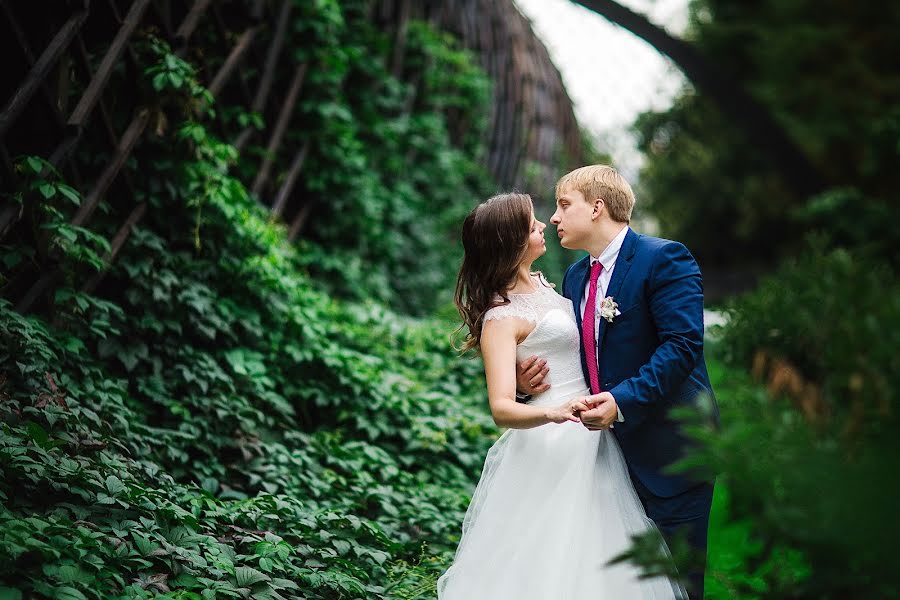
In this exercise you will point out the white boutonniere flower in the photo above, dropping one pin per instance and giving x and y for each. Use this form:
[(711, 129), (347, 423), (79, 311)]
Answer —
[(608, 308)]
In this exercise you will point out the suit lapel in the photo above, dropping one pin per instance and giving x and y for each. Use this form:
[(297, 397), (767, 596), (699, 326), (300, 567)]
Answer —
[(620, 271), (577, 281), (576, 289)]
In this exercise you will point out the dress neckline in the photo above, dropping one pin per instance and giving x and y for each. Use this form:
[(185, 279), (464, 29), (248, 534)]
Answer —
[(538, 285)]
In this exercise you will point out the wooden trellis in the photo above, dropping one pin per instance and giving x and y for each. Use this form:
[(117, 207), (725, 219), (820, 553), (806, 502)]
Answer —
[(532, 119)]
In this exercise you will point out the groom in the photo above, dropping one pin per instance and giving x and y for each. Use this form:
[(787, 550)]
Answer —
[(638, 303)]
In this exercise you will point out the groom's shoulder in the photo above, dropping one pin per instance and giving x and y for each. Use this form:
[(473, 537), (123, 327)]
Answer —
[(655, 244)]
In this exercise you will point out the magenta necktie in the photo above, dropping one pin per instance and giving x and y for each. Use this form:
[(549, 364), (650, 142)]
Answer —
[(587, 329)]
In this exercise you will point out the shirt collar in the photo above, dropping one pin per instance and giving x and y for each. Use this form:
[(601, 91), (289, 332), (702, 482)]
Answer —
[(609, 255)]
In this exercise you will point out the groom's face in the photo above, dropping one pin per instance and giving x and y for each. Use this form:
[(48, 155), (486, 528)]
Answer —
[(572, 219)]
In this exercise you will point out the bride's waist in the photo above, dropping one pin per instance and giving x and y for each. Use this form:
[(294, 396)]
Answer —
[(561, 392)]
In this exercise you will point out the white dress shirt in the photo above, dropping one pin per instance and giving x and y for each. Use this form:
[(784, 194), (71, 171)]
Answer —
[(607, 258)]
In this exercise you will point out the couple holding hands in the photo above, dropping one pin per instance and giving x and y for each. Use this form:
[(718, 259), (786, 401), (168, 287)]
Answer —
[(584, 382)]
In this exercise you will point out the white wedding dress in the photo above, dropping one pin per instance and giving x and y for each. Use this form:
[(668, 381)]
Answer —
[(554, 503)]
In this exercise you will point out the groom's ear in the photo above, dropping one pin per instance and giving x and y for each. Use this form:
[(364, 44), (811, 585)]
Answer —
[(597, 208)]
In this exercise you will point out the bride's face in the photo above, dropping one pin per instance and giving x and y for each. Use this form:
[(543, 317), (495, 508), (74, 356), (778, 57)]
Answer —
[(536, 244)]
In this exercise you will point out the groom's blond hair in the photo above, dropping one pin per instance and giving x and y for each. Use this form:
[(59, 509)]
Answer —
[(601, 181)]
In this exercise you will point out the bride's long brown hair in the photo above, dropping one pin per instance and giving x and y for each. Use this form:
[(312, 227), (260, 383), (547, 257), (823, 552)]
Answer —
[(495, 239)]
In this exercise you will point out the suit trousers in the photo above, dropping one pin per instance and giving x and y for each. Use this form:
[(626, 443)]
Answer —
[(687, 515)]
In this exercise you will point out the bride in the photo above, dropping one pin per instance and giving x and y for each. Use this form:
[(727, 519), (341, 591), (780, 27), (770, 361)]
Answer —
[(555, 503)]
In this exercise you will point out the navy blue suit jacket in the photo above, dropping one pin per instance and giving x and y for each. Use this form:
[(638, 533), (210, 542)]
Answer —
[(650, 357)]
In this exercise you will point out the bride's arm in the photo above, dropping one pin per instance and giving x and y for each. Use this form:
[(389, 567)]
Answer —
[(498, 350)]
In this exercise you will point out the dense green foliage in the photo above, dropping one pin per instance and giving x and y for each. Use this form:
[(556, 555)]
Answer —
[(388, 181), (829, 74), (392, 163), (808, 460), (806, 449), (209, 420), (219, 426), (387, 175)]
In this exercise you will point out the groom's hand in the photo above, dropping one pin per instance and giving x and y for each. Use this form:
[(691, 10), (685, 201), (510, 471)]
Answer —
[(530, 375), (603, 412)]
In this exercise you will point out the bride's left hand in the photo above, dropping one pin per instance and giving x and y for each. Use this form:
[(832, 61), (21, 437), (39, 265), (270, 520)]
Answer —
[(570, 411)]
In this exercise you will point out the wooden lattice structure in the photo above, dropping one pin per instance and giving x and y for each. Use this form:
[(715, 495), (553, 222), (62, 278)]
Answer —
[(47, 52), (533, 125)]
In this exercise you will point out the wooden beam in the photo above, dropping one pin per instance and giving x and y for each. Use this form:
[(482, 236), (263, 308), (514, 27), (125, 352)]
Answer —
[(299, 221), (233, 60), (243, 137), (265, 84), (104, 114), (22, 39), (284, 117), (117, 242), (123, 151), (95, 87), (184, 31), (400, 40), (39, 71), (7, 161), (290, 179), (38, 289), (10, 215), (258, 10), (63, 151), (163, 9)]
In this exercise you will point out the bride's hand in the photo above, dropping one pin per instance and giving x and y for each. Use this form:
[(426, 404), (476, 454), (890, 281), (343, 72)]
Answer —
[(566, 412)]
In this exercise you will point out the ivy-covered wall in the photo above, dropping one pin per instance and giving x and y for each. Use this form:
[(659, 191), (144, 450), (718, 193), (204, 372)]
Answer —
[(200, 395), (359, 164)]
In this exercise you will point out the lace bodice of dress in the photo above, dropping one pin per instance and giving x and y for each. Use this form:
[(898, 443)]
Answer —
[(555, 336)]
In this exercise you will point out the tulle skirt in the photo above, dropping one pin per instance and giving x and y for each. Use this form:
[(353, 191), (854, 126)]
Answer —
[(553, 506)]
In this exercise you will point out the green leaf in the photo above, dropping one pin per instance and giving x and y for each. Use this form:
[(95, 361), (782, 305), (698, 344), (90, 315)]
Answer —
[(143, 543), (286, 584), (114, 485), (68, 593), (37, 433), (342, 546), (48, 190), (210, 484), (8, 593), (67, 233), (72, 574), (35, 164), (69, 193), (73, 345), (247, 576), (105, 499)]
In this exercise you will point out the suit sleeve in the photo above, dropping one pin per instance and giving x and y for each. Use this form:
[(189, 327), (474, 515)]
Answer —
[(676, 307)]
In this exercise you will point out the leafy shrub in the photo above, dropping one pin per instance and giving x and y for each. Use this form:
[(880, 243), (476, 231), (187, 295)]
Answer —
[(209, 421), (222, 427), (835, 316), (807, 452)]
